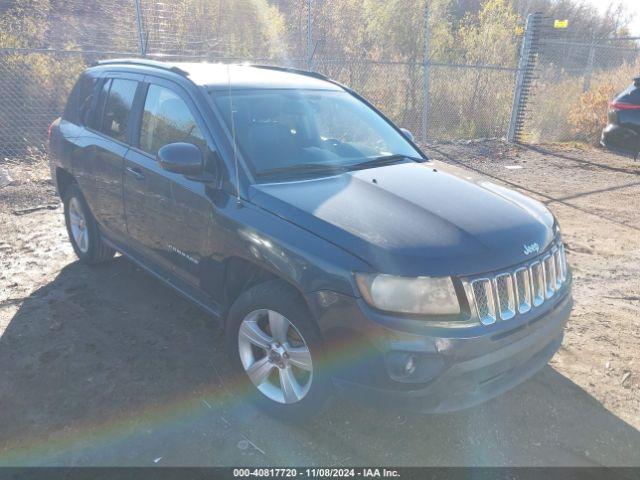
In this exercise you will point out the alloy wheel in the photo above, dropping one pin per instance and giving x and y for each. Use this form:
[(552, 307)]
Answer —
[(275, 356), (78, 224)]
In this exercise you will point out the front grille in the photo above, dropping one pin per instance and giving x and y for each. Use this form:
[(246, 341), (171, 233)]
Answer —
[(503, 295)]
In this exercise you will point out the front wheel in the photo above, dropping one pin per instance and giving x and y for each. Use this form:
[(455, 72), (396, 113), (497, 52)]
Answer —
[(277, 352)]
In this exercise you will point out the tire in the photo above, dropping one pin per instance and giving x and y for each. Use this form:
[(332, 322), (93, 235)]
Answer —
[(82, 228), (304, 393)]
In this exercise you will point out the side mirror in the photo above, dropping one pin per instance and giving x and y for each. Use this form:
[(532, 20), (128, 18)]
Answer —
[(407, 134), (184, 158)]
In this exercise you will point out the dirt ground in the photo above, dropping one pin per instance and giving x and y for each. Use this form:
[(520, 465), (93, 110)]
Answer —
[(106, 366)]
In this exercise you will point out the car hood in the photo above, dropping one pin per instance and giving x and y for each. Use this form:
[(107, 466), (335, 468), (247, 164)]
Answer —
[(414, 218)]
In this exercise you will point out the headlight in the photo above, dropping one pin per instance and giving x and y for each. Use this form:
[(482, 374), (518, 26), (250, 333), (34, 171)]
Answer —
[(417, 295)]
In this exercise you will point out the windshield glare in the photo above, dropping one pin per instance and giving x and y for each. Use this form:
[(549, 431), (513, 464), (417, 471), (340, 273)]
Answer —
[(280, 130)]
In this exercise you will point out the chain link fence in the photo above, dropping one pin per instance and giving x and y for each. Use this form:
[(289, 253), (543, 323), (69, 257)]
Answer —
[(574, 80), (45, 50), (34, 88), (438, 94)]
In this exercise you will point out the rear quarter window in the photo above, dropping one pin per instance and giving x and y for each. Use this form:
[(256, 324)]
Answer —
[(78, 108)]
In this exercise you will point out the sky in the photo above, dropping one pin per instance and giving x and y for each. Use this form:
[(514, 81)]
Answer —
[(633, 6)]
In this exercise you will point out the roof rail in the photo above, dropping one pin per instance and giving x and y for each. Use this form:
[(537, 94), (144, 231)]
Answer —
[(173, 68), (145, 62), (299, 71)]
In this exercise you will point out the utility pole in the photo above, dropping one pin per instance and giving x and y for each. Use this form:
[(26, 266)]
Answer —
[(425, 75), (143, 46), (309, 37)]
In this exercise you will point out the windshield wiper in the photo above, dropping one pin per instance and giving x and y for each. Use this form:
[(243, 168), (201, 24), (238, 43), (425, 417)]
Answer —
[(383, 160), (304, 168)]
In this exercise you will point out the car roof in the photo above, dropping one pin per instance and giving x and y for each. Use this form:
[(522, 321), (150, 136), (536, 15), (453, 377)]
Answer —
[(222, 76)]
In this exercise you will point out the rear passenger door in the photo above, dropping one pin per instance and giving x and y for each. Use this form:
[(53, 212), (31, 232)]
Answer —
[(103, 162), (167, 214)]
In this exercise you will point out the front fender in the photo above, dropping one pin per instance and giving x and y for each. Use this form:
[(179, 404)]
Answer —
[(295, 254)]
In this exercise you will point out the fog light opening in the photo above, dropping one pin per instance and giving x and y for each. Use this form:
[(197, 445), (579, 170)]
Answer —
[(413, 367), (410, 365)]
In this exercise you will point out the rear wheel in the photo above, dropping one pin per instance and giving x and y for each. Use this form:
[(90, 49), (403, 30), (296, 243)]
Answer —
[(82, 228), (277, 352)]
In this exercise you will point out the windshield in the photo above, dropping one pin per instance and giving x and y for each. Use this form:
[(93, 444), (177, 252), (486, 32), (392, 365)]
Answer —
[(280, 131)]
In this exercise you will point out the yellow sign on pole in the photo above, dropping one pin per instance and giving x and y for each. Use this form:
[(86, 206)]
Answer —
[(519, 31), (560, 23)]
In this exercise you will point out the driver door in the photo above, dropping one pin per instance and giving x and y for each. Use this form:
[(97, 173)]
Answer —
[(167, 215)]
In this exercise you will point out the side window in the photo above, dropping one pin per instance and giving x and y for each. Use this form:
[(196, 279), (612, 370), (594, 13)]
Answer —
[(117, 109), (80, 100), (167, 119), (95, 120)]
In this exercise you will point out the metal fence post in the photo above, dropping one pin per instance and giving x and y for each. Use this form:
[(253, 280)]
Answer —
[(309, 37), (425, 75), (586, 84), (524, 75), (143, 46)]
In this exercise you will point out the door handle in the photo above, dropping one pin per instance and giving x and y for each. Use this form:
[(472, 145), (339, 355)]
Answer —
[(136, 172)]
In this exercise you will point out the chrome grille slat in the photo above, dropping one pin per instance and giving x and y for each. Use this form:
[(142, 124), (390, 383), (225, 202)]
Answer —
[(523, 289), (483, 295), (549, 276), (503, 295), (560, 273), (537, 283)]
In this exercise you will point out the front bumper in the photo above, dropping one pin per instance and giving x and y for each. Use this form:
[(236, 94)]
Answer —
[(464, 366)]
